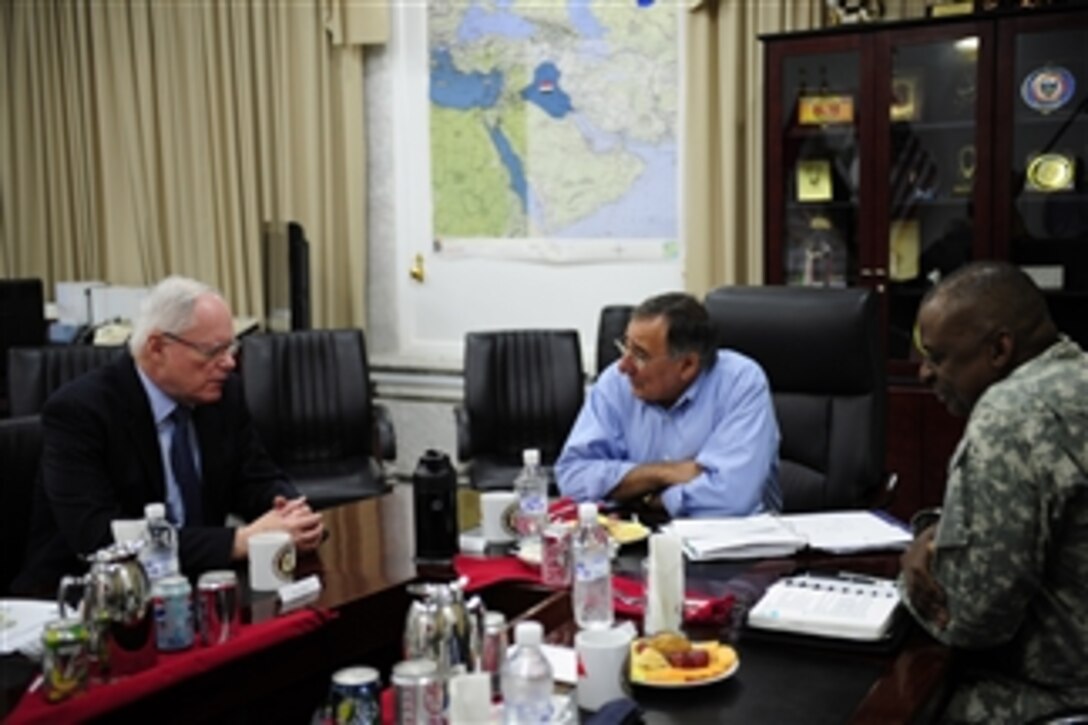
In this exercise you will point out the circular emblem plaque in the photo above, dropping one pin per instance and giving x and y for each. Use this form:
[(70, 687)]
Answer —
[(1050, 172), (1048, 88)]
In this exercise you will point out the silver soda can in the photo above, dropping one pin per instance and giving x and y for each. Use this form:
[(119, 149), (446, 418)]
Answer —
[(355, 697), (217, 606), (494, 648), (172, 599), (419, 694)]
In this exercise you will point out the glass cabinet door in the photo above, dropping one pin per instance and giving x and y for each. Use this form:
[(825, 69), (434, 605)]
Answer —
[(928, 221), (818, 175), (1048, 156)]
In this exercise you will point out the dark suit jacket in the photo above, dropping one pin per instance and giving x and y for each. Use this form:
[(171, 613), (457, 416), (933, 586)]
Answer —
[(102, 461)]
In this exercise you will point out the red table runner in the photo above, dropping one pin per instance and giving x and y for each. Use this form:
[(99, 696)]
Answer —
[(100, 698)]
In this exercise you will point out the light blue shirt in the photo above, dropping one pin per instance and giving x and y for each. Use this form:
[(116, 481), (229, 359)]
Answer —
[(162, 407), (724, 421)]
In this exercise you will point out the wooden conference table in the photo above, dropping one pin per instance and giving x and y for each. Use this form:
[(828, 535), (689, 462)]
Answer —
[(367, 563)]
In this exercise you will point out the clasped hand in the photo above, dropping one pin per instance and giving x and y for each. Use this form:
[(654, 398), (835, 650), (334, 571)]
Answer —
[(293, 516)]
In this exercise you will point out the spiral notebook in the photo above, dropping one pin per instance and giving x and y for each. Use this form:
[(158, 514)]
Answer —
[(846, 606)]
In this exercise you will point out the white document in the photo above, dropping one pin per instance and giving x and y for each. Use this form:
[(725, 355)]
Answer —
[(846, 532), (747, 537), (767, 535), (21, 623), (857, 608)]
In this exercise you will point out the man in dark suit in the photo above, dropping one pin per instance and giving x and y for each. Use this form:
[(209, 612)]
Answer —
[(111, 446)]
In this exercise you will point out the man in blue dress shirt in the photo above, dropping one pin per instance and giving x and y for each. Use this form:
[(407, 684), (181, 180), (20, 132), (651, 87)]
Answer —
[(676, 423)]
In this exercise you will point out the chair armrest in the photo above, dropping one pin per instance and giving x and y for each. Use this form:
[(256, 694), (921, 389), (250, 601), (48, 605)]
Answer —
[(386, 436), (464, 433)]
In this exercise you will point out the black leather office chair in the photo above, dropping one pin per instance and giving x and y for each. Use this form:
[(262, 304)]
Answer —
[(311, 399), (523, 389), (34, 373), (611, 325), (821, 351), (20, 452), (22, 321)]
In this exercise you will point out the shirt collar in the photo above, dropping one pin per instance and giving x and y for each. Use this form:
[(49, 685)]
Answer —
[(691, 392), (162, 405)]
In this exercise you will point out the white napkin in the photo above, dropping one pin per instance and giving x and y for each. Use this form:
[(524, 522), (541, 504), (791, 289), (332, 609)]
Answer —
[(664, 585)]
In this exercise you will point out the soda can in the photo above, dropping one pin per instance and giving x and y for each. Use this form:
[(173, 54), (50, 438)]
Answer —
[(218, 612), (555, 555), (171, 597), (494, 648), (66, 658), (355, 697), (419, 694)]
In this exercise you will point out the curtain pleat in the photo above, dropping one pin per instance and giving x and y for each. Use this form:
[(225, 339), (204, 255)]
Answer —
[(155, 137)]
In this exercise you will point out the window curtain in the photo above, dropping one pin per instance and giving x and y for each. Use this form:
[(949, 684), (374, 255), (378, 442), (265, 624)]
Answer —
[(154, 137), (723, 131)]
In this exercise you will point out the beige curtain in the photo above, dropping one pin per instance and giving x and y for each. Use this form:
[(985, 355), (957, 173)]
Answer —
[(723, 132), (152, 137)]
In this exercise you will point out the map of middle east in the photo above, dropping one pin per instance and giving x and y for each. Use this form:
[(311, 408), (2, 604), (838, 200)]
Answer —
[(553, 118)]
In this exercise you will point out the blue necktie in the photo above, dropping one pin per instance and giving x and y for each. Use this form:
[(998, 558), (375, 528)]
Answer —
[(184, 466)]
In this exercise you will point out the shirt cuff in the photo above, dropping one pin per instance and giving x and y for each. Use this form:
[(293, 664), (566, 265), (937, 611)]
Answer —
[(672, 498)]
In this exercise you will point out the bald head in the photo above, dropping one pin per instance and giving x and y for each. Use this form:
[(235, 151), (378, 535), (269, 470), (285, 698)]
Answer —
[(997, 295)]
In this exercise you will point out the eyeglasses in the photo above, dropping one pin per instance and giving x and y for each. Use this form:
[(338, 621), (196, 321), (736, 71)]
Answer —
[(640, 357), (210, 352)]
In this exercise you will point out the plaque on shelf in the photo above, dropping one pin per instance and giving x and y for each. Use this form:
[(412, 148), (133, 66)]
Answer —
[(818, 259), (965, 170), (906, 104), (825, 109), (814, 180), (947, 8), (1048, 88), (904, 245), (1050, 172)]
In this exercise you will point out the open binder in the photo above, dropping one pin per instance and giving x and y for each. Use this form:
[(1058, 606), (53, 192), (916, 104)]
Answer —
[(844, 606)]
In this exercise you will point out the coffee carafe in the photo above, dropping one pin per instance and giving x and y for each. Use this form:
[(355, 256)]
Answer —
[(116, 606), (445, 628)]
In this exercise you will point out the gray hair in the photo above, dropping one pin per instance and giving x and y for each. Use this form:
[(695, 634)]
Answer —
[(168, 307)]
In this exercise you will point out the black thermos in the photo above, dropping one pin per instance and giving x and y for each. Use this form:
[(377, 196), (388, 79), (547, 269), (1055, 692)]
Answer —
[(435, 503)]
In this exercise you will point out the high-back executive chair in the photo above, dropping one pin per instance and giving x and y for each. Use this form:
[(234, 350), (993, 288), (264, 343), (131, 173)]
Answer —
[(21, 452), (22, 320), (611, 326), (34, 373), (523, 389), (820, 349), (311, 400)]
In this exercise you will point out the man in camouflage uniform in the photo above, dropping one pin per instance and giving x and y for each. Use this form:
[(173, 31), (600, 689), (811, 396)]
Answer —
[(1003, 575)]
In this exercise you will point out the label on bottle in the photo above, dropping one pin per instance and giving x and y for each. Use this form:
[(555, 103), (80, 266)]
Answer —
[(533, 504), (591, 567)]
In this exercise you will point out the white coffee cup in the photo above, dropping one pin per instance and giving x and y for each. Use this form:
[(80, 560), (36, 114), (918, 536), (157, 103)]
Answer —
[(602, 665), (498, 511), (271, 560), (128, 529)]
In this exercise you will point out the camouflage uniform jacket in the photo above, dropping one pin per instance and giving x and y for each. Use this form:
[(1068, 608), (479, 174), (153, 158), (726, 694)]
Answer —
[(1012, 543)]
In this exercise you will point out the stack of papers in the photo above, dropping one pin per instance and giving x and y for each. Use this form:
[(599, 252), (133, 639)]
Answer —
[(767, 535)]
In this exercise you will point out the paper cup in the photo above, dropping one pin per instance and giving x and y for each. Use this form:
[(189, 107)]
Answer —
[(602, 665), (128, 529), (271, 561), (498, 512)]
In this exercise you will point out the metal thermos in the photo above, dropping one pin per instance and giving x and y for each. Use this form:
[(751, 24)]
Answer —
[(435, 499)]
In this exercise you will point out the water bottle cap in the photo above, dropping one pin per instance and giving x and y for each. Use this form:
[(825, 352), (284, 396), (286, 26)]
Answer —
[(154, 511), (587, 512), (530, 457), (529, 633)]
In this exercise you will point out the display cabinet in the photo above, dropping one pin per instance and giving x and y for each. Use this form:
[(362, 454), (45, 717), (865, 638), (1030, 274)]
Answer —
[(897, 152)]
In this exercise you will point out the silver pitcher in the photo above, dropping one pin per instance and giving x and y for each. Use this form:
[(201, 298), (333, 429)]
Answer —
[(115, 604), (444, 628)]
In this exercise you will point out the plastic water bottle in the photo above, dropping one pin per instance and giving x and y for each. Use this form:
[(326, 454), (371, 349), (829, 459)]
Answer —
[(527, 679), (160, 553), (531, 486), (592, 571)]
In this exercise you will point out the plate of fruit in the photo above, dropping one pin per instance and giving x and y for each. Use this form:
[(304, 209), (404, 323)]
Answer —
[(671, 660)]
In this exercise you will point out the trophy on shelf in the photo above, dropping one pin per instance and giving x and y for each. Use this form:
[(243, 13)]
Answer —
[(818, 259), (1050, 172), (904, 244), (1047, 88), (814, 180)]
